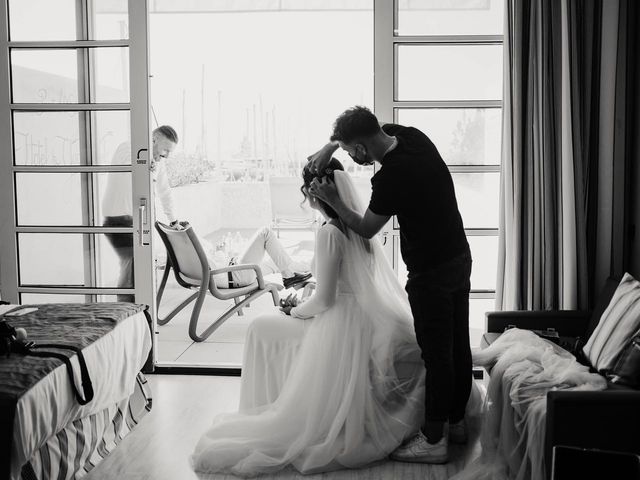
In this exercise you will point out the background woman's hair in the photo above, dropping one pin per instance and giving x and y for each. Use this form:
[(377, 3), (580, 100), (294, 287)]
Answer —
[(308, 176)]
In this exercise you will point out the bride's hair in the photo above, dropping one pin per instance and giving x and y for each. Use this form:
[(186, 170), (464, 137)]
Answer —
[(308, 176)]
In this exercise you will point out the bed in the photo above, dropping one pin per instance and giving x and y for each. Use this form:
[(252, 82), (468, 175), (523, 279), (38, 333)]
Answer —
[(45, 431)]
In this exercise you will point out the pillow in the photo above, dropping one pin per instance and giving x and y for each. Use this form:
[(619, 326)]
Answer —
[(618, 323)]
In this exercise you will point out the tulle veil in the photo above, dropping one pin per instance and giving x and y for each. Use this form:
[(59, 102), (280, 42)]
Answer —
[(373, 279)]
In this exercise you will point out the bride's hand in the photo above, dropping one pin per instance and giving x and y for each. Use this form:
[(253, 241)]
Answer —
[(288, 303), (286, 310)]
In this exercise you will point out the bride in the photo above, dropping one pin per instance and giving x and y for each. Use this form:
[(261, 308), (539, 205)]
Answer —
[(336, 383)]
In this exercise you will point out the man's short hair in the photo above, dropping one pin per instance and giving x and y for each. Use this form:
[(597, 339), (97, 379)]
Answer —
[(167, 132), (355, 123)]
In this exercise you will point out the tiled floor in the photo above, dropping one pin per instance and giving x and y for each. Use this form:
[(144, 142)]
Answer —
[(224, 348)]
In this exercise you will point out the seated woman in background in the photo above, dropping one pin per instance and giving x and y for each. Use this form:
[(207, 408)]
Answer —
[(264, 241), (334, 382)]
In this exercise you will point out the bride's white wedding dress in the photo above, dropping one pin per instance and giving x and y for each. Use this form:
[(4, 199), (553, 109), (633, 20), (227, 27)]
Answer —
[(341, 387)]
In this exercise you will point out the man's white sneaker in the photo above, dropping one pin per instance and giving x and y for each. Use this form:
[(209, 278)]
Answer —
[(419, 450), (458, 432)]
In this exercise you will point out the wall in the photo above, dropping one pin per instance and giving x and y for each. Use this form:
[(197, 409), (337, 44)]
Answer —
[(210, 206)]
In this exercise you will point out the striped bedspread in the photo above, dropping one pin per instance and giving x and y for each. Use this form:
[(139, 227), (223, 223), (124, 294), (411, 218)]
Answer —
[(79, 447)]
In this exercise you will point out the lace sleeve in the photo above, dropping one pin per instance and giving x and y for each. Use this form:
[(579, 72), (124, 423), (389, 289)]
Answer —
[(328, 258)]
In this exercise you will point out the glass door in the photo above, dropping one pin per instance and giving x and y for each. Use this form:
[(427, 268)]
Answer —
[(76, 207)]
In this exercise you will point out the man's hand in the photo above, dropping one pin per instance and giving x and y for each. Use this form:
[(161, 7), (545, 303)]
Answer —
[(319, 160), (177, 225), (324, 189)]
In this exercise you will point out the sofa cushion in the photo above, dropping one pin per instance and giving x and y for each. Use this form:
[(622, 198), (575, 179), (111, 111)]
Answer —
[(619, 321)]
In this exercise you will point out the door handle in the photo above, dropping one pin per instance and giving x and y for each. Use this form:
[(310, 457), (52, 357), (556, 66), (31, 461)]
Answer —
[(143, 225)]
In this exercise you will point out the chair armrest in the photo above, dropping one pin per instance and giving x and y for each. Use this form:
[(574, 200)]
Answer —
[(607, 420), (243, 266), (568, 323)]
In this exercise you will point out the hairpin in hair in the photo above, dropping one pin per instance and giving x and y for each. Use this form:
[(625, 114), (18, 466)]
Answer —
[(328, 171)]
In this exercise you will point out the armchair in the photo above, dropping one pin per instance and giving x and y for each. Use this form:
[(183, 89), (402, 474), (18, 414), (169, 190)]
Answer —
[(189, 262), (606, 420)]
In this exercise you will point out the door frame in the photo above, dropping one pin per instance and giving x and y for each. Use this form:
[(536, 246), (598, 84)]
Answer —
[(142, 191)]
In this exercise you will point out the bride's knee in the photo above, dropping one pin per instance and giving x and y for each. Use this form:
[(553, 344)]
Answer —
[(274, 327), (262, 326)]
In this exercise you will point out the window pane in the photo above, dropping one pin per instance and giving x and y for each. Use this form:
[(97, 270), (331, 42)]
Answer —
[(46, 138), (111, 20), (449, 72), (111, 131), (52, 138), (32, 20), (44, 76), (478, 307), (463, 136), (38, 298), (64, 259), (250, 119), (47, 20), (242, 123), (484, 252), (111, 75), (51, 76), (478, 197), (59, 198), (450, 17)]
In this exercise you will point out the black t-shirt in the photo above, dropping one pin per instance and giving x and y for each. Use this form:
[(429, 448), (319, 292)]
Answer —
[(414, 184)]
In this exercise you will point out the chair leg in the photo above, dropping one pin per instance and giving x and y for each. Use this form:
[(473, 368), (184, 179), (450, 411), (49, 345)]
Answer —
[(229, 313), (195, 314), (178, 309), (237, 302)]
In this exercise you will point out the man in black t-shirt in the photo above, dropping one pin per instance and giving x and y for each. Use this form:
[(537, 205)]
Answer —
[(414, 184)]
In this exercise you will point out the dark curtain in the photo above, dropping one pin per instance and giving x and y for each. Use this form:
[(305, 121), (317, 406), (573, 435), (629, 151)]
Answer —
[(569, 109)]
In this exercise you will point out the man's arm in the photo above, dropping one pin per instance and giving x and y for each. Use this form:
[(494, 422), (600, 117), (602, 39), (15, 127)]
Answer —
[(321, 158), (366, 225), (163, 192)]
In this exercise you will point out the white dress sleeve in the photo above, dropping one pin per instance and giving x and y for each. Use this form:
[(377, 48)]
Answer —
[(163, 192), (328, 256)]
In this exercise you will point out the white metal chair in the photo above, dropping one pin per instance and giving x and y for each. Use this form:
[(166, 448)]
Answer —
[(192, 271)]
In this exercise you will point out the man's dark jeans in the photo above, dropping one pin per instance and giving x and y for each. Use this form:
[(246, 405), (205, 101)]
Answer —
[(122, 243), (439, 300)]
